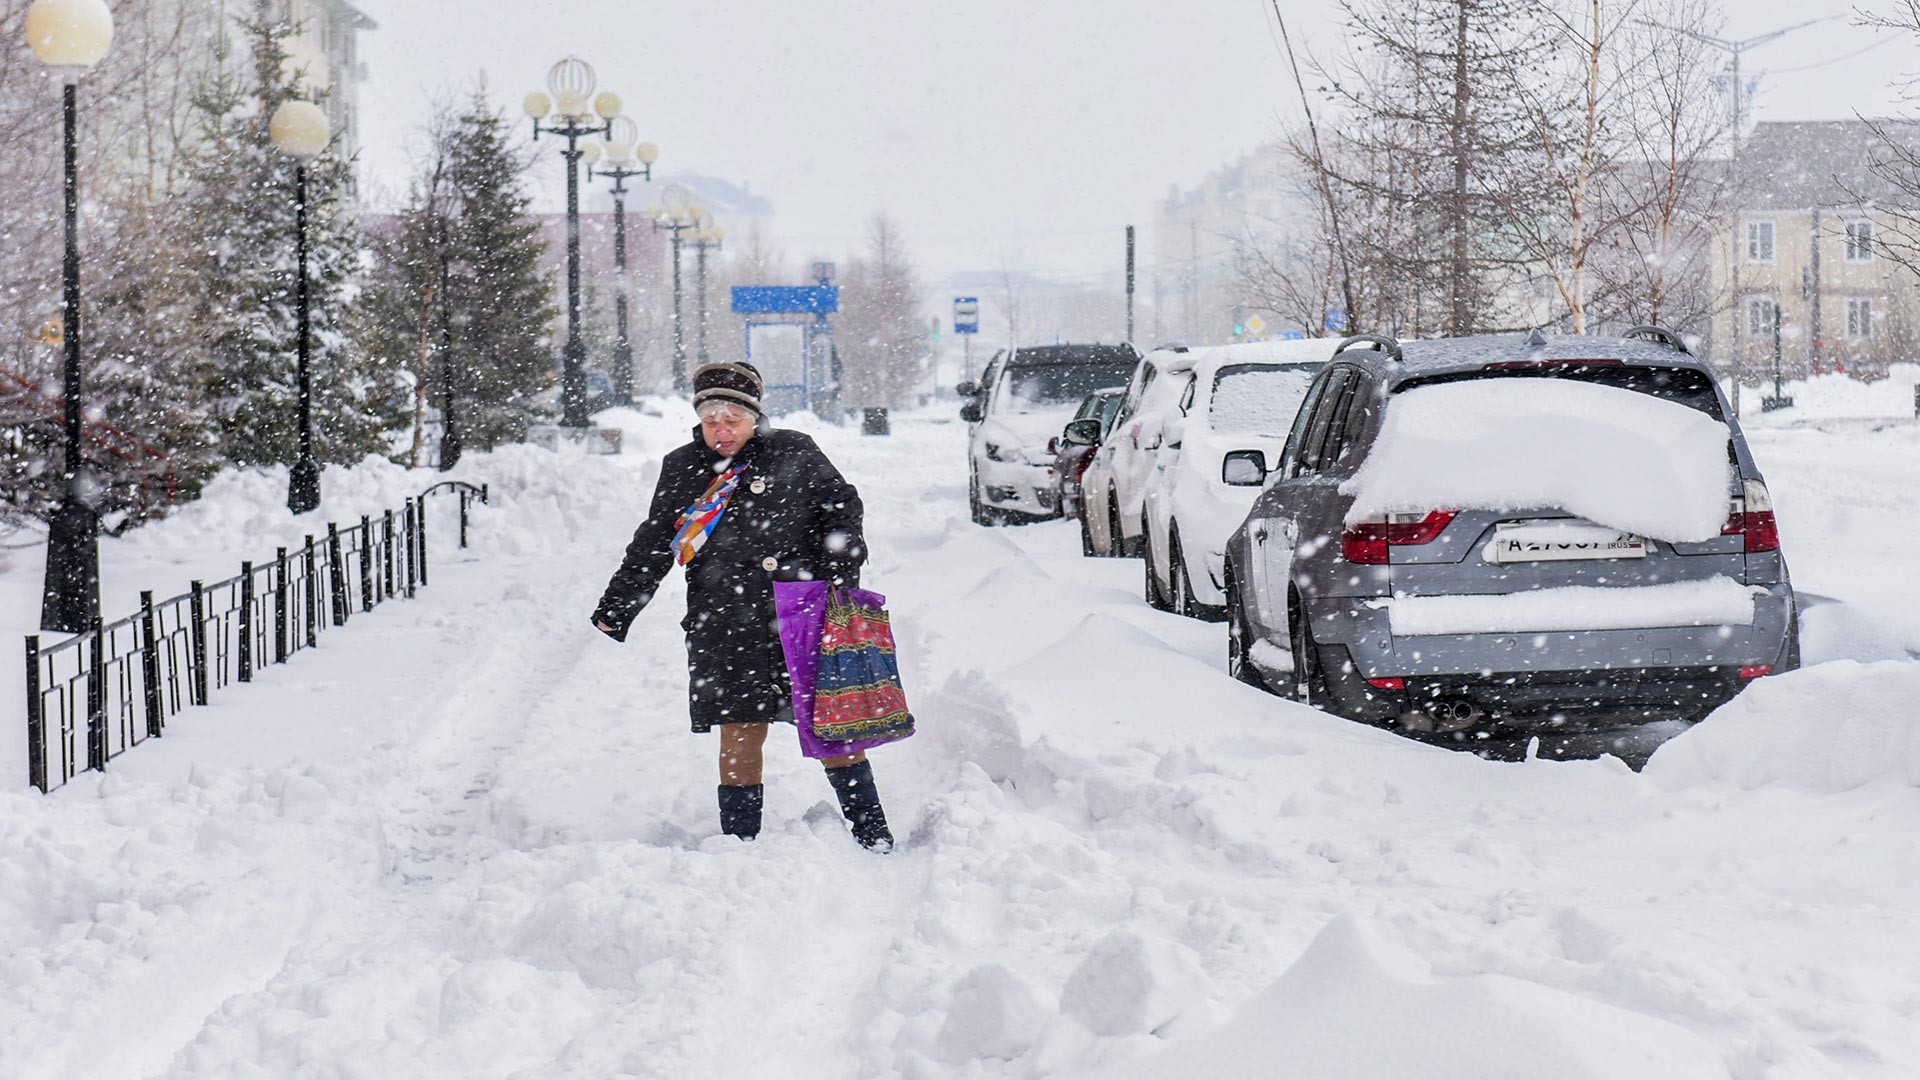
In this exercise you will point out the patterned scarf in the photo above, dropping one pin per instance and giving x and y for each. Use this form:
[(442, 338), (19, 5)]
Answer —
[(698, 522)]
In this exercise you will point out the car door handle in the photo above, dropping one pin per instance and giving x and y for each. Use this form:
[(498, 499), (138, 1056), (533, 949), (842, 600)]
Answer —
[(1259, 536)]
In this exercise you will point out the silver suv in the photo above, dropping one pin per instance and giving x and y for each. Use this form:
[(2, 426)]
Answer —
[(1512, 535)]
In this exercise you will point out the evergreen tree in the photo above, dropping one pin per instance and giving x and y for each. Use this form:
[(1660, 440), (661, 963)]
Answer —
[(502, 302), (241, 194)]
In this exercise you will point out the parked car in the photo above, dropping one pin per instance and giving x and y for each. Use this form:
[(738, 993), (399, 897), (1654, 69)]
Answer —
[(1021, 403), (1075, 445), (1232, 423), (1512, 535), (1115, 479)]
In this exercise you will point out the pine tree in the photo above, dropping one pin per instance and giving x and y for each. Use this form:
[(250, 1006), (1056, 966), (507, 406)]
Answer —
[(502, 302), (241, 194)]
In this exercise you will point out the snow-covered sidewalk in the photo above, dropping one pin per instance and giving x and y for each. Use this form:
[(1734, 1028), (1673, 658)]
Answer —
[(469, 837)]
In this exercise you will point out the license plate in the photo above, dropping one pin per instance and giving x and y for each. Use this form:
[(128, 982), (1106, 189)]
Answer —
[(1560, 543)]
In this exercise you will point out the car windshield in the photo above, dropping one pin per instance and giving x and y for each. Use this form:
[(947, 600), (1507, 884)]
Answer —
[(1053, 386), (1258, 399)]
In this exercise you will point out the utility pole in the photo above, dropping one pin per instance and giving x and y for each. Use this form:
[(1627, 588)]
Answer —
[(1129, 284), (1735, 125)]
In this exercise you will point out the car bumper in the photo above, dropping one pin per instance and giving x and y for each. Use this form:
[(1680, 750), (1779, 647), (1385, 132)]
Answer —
[(1026, 489), (1562, 677)]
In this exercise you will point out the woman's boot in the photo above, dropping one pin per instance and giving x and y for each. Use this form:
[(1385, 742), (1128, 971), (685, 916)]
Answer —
[(860, 802), (740, 809)]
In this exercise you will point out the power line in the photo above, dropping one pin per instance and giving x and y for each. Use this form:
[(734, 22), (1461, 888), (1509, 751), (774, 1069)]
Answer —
[(1827, 63)]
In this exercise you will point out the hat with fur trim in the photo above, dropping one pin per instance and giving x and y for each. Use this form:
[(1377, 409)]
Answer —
[(738, 383)]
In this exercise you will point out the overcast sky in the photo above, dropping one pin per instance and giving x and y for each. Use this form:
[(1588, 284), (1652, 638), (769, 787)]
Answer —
[(1018, 132)]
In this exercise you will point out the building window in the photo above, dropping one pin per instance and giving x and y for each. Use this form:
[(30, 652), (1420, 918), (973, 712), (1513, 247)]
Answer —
[(1859, 241), (1760, 314), (1860, 318), (1759, 241)]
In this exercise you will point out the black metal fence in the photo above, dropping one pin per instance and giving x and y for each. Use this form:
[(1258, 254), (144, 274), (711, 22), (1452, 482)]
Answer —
[(120, 683)]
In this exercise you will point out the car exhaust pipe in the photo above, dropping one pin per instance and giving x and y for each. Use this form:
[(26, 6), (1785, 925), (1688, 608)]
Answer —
[(1455, 714)]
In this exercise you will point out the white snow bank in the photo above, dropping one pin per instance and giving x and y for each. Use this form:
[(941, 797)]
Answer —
[(1840, 396), (1613, 456), (1821, 729), (1132, 984), (1717, 601), (1356, 1005), (996, 1013)]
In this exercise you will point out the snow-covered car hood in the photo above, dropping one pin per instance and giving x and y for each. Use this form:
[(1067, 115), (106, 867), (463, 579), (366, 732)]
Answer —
[(1028, 430)]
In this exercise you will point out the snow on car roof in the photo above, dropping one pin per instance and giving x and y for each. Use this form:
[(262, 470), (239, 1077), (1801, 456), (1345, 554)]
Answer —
[(1616, 457), (1297, 351), (1438, 355)]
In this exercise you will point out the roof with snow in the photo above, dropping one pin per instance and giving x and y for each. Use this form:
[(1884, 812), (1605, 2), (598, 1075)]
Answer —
[(1439, 355), (1801, 164)]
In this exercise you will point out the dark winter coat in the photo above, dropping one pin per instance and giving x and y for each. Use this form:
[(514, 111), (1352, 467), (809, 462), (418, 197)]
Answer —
[(793, 517)]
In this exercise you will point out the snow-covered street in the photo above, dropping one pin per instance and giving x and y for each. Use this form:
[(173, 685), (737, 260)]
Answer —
[(470, 837)]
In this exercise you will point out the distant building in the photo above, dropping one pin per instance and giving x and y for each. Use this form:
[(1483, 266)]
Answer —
[(1804, 253), (1197, 234), (324, 50)]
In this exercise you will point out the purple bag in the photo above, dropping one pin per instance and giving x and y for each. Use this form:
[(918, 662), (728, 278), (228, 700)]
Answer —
[(802, 609)]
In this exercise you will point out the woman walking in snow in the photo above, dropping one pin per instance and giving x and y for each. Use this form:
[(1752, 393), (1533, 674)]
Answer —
[(741, 506)]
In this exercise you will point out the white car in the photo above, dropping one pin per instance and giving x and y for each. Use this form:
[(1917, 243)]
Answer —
[(1017, 408), (1218, 446), (1113, 488)]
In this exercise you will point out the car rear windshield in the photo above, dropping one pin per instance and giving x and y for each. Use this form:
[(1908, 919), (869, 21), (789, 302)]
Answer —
[(1684, 386), (1258, 399), (1052, 386)]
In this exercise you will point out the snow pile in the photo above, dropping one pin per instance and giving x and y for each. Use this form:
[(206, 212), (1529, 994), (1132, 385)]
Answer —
[(1716, 601), (1613, 456), (1358, 1006), (1837, 396), (1131, 984), (1821, 730)]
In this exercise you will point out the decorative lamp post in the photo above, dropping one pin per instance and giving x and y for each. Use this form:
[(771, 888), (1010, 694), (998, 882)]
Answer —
[(299, 130), (626, 157), (676, 214), (571, 82), (70, 36), (705, 239)]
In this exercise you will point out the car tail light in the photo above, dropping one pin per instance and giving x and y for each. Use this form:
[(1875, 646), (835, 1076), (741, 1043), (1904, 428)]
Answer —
[(1754, 671), (1368, 541), (1751, 516), (1391, 682)]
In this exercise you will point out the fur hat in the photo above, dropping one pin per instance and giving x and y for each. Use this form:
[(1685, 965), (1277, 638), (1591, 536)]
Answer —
[(738, 383)]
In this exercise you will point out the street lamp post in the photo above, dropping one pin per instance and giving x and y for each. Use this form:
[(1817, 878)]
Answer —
[(449, 426), (571, 82), (676, 214), (705, 239), (299, 130), (625, 157), (70, 36)]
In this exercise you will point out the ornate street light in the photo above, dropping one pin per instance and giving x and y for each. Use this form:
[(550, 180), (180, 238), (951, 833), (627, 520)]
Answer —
[(70, 36), (625, 156), (706, 238), (676, 214), (571, 83), (299, 130)]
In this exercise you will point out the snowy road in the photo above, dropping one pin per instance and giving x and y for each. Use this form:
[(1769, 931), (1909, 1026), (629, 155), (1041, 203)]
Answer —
[(471, 838)]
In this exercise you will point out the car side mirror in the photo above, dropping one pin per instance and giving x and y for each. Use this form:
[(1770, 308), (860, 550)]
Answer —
[(967, 389), (1085, 432), (1175, 432), (1244, 468), (970, 412)]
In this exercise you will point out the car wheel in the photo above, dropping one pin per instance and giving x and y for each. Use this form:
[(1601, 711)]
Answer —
[(1156, 599), (1086, 536), (1309, 679), (1179, 588), (977, 507), (1116, 541), (1240, 643)]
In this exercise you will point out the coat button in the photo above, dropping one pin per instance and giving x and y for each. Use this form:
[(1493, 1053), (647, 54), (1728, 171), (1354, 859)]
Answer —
[(769, 564)]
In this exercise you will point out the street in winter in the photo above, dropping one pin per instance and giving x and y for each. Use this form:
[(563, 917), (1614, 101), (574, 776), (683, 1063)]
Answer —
[(1277, 541)]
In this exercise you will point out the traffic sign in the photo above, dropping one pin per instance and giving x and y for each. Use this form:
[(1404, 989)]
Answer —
[(1336, 319), (823, 272), (966, 315), (1256, 324)]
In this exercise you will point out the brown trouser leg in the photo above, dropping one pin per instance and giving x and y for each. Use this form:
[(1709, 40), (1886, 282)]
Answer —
[(743, 754)]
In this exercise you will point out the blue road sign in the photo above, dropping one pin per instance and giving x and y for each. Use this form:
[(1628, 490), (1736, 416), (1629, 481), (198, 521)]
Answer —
[(966, 315), (1336, 320), (786, 299)]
